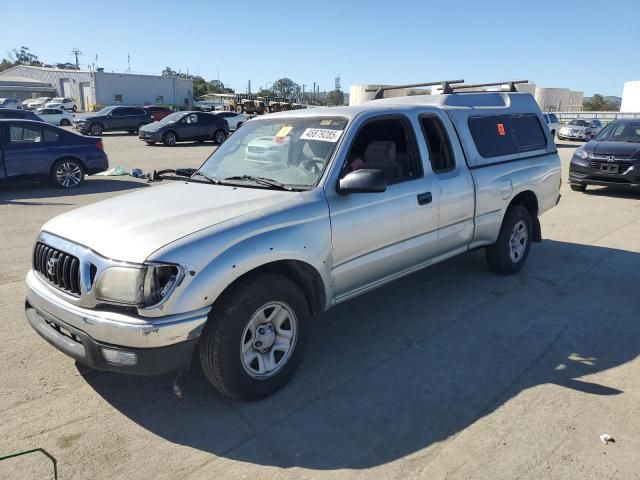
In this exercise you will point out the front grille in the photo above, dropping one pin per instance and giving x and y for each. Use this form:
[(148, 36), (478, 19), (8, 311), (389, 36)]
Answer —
[(622, 166), (253, 149), (59, 268)]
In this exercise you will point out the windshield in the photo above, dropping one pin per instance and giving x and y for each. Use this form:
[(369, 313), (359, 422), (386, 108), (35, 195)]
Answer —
[(57, 99), (579, 123), (621, 132), (172, 117), (291, 151), (104, 111)]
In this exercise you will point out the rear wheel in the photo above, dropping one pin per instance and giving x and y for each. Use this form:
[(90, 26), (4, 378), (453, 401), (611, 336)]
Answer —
[(578, 188), (67, 173), (255, 337), (75, 109), (219, 136), (169, 139), (64, 122), (510, 252)]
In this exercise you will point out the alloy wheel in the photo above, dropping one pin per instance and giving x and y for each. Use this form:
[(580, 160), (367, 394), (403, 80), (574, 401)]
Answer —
[(518, 241), (68, 174)]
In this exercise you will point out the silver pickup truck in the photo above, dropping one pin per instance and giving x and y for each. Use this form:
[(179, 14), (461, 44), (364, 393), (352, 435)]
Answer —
[(293, 214)]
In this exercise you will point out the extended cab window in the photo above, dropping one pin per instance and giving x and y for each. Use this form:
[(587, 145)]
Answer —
[(389, 145), (499, 135), (440, 153)]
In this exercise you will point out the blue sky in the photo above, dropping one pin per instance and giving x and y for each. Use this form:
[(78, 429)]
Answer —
[(593, 46)]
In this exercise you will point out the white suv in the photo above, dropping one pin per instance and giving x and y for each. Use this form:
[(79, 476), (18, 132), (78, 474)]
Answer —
[(62, 103), (552, 122)]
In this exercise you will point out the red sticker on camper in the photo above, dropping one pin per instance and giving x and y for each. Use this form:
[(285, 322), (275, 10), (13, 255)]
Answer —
[(501, 131)]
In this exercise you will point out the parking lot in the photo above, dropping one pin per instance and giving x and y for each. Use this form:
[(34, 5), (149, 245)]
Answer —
[(453, 372)]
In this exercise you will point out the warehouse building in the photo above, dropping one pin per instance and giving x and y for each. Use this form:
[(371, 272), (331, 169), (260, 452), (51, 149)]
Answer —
[(91, 90), (631, 97)]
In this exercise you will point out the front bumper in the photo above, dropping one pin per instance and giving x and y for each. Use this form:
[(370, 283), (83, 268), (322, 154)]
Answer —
[(161, 345), (572, 135), (583, 172), (150, 136)]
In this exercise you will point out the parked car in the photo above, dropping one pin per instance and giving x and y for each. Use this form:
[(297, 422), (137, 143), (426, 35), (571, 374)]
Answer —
[(236, 259), (553, 124), (37, 150), (112, 119), (611, 158), (234, 119), (10, 103), (20, 114), (55, 116), (157, 112), (35, 103), (580, 129), (185, 126), (63, 103)]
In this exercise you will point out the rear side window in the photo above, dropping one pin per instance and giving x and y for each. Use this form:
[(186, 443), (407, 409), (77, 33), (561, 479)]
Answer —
[(25, 134), (527, 132), (492, 136), (500, 135), (50, 135)]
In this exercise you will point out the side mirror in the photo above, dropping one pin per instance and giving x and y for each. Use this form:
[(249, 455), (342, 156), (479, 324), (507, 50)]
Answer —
[(363, 181)]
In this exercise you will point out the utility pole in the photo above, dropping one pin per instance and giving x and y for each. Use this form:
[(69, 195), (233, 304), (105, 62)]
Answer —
[(76, 52), (129, 62), (303, 87)]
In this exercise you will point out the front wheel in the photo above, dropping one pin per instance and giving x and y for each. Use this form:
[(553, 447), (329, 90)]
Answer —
[(95, 129), (219, 136), (75, 109), (509, 253), (67, 173), (169, 139), (255, 337)]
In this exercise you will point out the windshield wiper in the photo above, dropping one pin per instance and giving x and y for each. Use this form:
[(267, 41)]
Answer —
[(211, 179), (262, 181)]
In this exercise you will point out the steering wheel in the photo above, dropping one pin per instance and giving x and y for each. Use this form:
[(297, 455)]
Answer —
[(315, 164)]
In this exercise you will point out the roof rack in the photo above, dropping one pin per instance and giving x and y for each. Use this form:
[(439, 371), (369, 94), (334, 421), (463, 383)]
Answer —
[(511, 83), (446, 84)]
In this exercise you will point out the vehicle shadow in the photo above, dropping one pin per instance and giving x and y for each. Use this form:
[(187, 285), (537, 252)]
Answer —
[(23, 193), (413, 363), (207, 143), (568, 145), (613, 191)]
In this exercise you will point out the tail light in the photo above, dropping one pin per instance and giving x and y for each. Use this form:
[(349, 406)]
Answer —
[(100, 145)]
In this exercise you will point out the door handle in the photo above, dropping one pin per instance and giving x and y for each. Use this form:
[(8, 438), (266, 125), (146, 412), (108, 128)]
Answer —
[(424, 198)]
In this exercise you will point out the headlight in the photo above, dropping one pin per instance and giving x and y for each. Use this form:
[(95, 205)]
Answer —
[(145, 286), (581, 153)]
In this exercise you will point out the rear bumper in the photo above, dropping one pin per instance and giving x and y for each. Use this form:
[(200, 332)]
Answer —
[(161, 345)]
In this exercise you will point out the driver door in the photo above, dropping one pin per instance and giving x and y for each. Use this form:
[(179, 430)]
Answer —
[(377, 236)]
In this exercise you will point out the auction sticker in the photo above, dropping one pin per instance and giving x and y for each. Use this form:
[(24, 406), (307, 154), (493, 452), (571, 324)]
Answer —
[(322, 134)]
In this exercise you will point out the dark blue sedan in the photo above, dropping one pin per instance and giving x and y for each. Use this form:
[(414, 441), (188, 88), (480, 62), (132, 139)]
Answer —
[(37, 150)]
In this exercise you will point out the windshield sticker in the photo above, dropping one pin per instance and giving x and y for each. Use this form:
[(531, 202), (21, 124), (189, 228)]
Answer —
[(322, 134), (326, 122), (284, 131)]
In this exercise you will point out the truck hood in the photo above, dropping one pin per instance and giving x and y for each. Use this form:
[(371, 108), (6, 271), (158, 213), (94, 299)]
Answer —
[(131, 227)]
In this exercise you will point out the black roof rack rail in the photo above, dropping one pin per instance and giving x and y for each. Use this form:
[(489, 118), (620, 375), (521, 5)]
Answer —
[(446, 85), (511, 83)]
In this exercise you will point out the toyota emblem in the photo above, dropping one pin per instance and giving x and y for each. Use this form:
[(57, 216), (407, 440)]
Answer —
[(610, 158), (51, 266)]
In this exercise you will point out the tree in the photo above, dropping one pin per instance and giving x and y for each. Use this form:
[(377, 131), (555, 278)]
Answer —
[(335, 97), (20, 57), (597, 103), (168, 72), (285, 87)]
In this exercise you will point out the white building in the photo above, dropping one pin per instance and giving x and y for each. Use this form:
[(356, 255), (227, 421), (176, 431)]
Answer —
[(94, 89), (559, 99), (358, 94), (631, 97)]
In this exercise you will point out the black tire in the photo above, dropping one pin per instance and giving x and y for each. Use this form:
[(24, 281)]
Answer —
[(221, 340), (95, 129), (578, 188), (64, 122), (169, 139), (75, 109), (238, 125), (239, 109), (219, 136), (499, 255), (67, 173)]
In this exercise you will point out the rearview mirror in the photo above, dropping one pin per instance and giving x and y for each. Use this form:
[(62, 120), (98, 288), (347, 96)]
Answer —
[(365, 180)]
